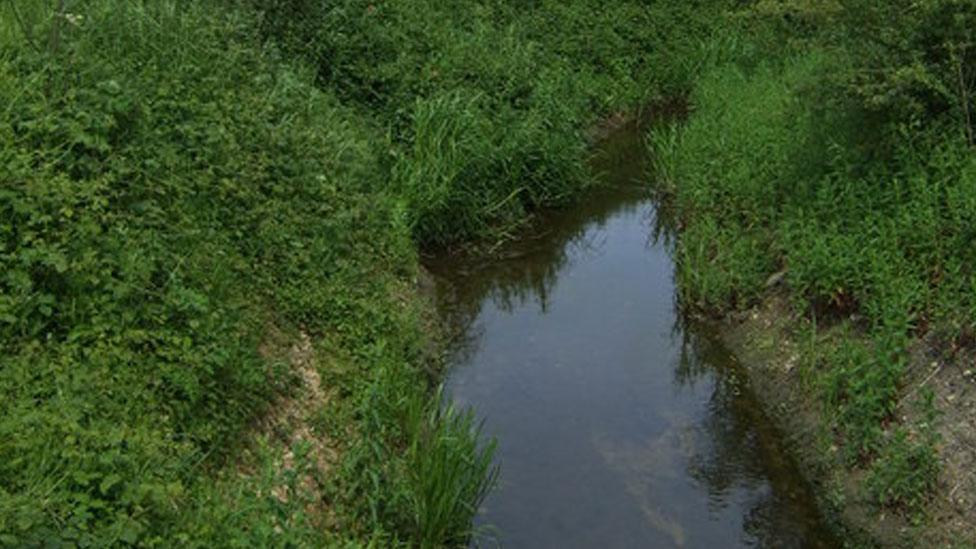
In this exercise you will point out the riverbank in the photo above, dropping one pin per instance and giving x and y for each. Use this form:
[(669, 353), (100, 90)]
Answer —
[(209, 226), (204, 205), (771, 344), (824, 205)]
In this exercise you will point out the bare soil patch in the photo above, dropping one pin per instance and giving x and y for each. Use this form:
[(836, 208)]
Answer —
[(764, 341)]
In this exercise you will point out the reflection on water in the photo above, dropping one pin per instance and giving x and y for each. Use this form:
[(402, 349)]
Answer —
[(617, 425)]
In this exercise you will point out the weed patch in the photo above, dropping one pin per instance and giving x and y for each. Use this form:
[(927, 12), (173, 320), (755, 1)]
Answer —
[(845, 182)]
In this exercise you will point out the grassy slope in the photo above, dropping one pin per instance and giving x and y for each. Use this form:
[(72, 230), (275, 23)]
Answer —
[(487, 102), (172, 194), (189, 190), (785, 170)]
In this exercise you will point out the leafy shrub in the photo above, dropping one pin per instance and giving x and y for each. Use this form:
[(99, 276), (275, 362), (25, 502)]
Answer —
[(913, 61)]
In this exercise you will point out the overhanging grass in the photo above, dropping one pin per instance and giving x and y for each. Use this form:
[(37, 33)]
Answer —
[(487, 102)]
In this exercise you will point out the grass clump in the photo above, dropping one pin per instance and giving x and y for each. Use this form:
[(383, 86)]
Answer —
[(444, 479)]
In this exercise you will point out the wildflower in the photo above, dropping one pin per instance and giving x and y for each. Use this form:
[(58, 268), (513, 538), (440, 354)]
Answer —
[(73, 18)]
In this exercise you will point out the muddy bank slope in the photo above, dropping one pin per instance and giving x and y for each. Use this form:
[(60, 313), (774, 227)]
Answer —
[(772, 345)]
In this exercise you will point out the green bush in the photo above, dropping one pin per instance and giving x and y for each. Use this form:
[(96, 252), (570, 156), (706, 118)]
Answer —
[(913, 62)]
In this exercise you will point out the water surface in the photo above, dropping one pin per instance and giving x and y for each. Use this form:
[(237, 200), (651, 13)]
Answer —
[(618, 425)]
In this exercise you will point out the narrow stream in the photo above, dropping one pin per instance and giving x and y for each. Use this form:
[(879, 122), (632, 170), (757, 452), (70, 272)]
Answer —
[(618, 424)]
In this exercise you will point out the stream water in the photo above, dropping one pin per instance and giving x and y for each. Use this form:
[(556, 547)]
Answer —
[(618, 423)]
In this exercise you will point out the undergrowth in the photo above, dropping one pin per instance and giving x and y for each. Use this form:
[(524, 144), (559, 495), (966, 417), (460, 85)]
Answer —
[(841, 163), (165, 201), (487, 109), (180, 179)]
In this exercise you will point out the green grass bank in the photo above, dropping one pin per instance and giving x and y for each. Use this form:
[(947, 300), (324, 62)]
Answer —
[(210, 212), (825, 190)]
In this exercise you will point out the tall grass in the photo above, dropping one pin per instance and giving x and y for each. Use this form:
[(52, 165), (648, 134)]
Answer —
[(487, 108), (451, 472)]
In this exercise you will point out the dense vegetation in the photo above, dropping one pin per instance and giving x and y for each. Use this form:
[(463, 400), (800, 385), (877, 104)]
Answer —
[(191, 190), (841, 161), (487, 107), (166, 202)]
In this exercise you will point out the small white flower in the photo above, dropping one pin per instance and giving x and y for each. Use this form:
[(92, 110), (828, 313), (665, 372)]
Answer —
[(74, 18)]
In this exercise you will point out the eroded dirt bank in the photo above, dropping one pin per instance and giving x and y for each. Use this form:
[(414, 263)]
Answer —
[(770, 351)]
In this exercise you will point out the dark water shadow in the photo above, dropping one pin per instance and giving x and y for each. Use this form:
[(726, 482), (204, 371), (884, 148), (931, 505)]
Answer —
[(619, 423)]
